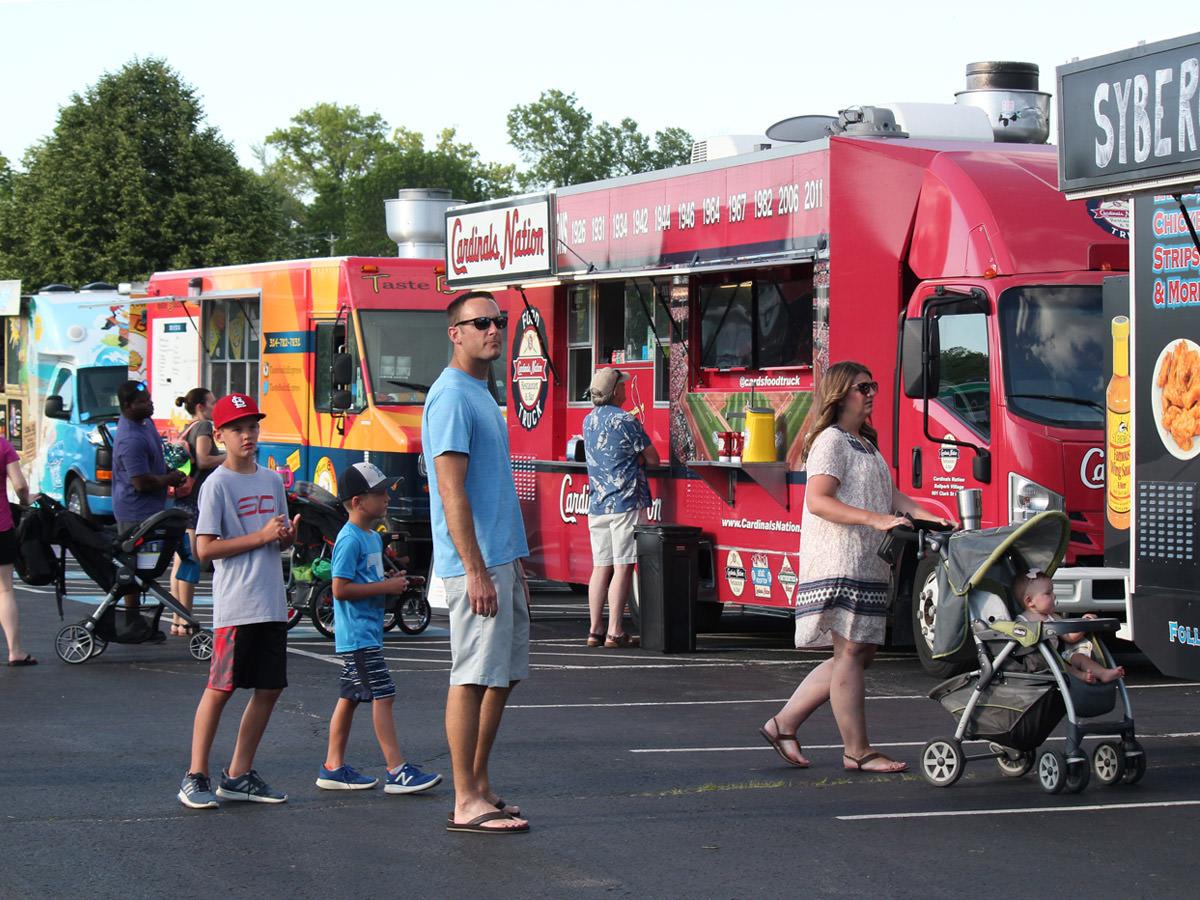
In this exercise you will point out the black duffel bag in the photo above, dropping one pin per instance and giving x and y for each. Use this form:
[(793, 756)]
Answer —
[(37, 563)]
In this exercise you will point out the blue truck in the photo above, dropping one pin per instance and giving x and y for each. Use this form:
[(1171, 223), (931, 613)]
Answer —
[(78, 353)]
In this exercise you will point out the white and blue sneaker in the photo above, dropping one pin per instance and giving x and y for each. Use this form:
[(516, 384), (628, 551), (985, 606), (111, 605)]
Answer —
[(411, 780), (345, 778), (195, 792), (249, 787)]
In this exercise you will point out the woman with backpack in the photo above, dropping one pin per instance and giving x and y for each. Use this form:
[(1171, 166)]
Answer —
[(10, 474), (198, 435)]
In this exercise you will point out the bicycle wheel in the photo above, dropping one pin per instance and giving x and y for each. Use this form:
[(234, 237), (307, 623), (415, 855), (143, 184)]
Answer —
[(414, 614)]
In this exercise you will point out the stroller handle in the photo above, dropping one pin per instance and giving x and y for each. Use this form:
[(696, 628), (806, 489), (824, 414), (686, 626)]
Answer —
[(1070, 626)]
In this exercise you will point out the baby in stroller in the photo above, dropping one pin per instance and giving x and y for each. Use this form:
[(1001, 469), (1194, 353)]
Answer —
[(1033, 592)]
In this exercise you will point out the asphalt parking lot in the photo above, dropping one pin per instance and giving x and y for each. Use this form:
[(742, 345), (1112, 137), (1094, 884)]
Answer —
[(642, 774)]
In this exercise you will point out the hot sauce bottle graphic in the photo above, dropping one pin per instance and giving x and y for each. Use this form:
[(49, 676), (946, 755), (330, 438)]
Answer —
[(1119, 480)]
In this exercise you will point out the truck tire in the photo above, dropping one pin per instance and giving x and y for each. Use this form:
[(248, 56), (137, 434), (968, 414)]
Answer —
[(708, 615), (924, 611), (76, 499)]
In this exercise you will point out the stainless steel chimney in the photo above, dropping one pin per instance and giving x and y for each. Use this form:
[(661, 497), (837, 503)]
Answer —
[(1008, 93), (416, 222)]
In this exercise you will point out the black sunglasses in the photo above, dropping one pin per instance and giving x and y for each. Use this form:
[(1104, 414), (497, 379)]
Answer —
[(867, 388), (485, 322)]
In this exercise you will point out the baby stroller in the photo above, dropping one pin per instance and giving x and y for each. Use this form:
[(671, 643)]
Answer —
[(138, 559), (1021, 690), (310, 581)]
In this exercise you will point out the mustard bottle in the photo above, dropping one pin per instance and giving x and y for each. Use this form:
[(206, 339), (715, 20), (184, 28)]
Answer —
[(1119, 474)]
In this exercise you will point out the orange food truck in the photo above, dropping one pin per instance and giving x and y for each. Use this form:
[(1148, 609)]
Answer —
[(725, 287), (338, 351)]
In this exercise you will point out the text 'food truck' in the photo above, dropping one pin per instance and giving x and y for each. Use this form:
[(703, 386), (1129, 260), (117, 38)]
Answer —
[(724, 288)]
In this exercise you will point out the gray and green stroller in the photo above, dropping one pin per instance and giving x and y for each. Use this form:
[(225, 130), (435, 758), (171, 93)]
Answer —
[(1021, 690)]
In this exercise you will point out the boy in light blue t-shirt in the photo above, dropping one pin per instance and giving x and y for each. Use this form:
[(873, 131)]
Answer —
[(360, 593)]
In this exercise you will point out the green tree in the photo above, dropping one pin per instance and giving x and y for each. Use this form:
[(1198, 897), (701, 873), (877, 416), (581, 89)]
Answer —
[(317, 156), (562, 145), (132, 181)]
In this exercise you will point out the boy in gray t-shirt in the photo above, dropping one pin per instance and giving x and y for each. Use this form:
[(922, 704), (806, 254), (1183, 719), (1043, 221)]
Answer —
[(242, 528)]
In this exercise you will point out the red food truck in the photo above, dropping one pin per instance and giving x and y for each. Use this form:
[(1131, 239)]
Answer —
[(725, 287)]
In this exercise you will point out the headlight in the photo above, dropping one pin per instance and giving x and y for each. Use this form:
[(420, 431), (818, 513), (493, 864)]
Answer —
[(95, 438), (1028, 498)]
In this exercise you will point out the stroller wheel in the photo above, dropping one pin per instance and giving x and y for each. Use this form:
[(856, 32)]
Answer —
[(1108, 763), (942, 762), (1135, 761), (201, 646), (414, 613), (320, 608), (74, 644), (1079, 774), (294, 613), (1052, 771), (390, 620), (1013, 768)]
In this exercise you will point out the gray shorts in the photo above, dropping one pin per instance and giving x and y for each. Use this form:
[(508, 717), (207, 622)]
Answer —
[(489, 650)]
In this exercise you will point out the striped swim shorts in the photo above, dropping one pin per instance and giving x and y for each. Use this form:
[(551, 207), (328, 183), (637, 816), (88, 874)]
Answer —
[(365, 676)]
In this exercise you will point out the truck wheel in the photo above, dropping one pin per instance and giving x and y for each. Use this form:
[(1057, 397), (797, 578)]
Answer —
[(924, 614), (77, 499)]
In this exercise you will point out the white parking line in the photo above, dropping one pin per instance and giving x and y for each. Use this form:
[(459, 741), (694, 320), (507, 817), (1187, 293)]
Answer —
[(1169, 736), (1091, 807), (687, 702)]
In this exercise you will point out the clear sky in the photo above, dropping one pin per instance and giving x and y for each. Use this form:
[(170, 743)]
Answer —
[(710, 67)]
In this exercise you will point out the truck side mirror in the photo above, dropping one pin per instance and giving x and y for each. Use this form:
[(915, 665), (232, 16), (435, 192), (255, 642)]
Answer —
[(54, 408), (913, 368), (981, 466), (342, 370), (340, 400)]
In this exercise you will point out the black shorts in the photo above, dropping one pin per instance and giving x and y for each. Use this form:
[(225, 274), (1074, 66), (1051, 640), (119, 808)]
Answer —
[(249, 656), (8, 547)]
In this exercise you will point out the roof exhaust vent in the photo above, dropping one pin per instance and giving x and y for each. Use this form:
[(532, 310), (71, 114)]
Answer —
[(416, 221), (1008, 92)]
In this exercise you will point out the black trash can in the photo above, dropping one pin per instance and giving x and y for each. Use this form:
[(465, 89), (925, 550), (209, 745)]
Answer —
[(668, 574)]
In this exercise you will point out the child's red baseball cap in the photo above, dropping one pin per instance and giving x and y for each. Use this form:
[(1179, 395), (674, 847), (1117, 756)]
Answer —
[(233, 407)]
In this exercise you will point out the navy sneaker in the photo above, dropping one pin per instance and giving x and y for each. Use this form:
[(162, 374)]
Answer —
[(411, 780), (345, 778), (195, 792), (249, 787)]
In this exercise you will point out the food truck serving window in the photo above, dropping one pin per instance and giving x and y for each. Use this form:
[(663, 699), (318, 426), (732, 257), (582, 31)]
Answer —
[(762, 322), (1052, 343)]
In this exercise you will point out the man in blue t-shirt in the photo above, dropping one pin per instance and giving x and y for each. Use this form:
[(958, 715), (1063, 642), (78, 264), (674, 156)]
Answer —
[(617, 447), (478, 544), (140, 479), (360, 592)]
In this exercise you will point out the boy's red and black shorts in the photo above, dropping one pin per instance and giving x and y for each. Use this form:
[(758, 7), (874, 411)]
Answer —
[(249, 656)]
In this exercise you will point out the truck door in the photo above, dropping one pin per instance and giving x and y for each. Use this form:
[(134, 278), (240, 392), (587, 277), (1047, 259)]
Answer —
[(952, 449), (331, 336)]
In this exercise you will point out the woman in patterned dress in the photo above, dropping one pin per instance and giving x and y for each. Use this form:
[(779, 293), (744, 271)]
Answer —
[(842, 595)]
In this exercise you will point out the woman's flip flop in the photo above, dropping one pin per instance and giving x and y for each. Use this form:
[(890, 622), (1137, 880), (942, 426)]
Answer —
[(779, 738), (27, 661), (859, 761)]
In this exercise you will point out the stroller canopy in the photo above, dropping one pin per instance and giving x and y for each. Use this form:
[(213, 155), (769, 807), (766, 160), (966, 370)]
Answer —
[(1039, 543)]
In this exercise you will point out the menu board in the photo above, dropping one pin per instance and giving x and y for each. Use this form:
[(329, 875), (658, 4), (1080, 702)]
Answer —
[(1167, 419), (1165, 547)]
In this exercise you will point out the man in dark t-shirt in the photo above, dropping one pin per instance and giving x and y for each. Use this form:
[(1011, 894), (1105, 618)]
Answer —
[(140, 477)]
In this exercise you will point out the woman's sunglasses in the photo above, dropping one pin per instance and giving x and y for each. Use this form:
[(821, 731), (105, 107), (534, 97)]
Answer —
[(867, 388), (483, 323)]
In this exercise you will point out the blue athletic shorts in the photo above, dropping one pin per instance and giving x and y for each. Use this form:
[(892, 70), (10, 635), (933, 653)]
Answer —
[(365, 676)]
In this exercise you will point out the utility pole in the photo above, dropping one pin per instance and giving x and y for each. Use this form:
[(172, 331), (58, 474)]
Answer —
[(331, 239)]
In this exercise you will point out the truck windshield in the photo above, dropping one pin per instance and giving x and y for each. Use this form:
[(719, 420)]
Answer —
[(1052, 338), (98, 392), (406, 350)]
